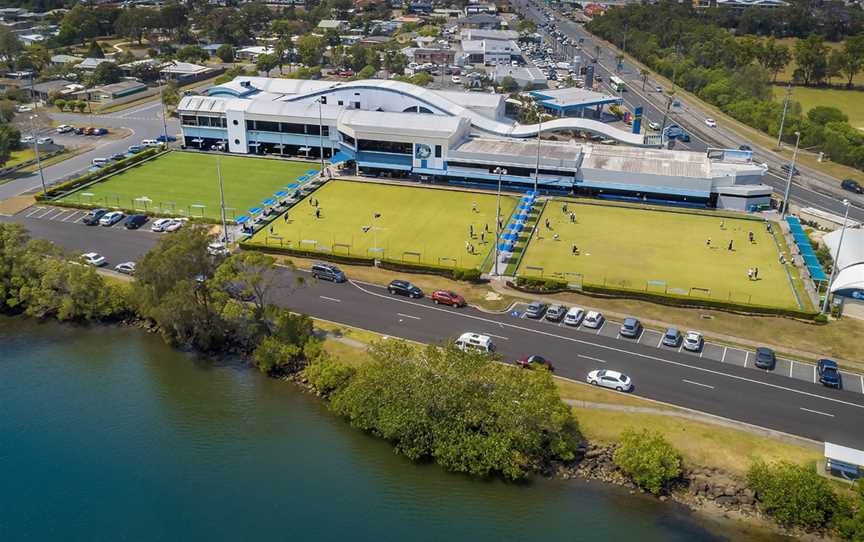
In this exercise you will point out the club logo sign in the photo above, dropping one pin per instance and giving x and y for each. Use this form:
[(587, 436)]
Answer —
[(422, 151)]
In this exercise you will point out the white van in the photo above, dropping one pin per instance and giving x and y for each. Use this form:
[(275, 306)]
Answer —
[(99, 161), (475, 341), (149, 143)]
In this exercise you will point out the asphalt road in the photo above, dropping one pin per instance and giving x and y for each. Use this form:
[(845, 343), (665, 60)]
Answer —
[(732, 389), (810, 189)]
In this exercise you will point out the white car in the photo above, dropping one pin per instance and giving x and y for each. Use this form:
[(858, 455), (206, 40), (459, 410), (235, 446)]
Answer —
[(693, 341), (658, 88), (456, 80), (127, 268), (64, 128), (24, 109), (574, 316), (711, 123), (159, 225), (654, 125), (593, 320), (109, 219), (217, 249), (44, 141), (27, 139), (475, 341), (94, 259), (610, 379), (175, 224)]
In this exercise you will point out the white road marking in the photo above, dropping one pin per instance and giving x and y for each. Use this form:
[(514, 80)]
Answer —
[(660, 342), (324, 297), (814, 374), (614, 349), (723, 359), (408, 316), (592, 359), (599, 329), (746, 357), (75, 214), (33, 211), (862, 382), (62, 213), (503, 338), (791, 366), (817, 412), (48, 211), (697, 383)]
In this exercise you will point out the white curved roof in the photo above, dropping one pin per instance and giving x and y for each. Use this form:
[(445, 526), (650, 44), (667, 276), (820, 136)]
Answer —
[(851, 278), (852, 251)]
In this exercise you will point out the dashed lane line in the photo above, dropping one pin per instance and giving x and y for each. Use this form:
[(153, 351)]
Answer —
[(408, 316), (701, 385), (591, 358), (333, 299), (613, 349), (817, 412)]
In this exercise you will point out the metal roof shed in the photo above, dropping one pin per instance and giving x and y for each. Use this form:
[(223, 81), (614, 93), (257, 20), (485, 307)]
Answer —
[(844, 462)]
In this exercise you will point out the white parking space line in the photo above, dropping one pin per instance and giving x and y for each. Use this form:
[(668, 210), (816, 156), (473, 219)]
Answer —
[(62, 214), (408, 316), (862, 382), (33, 211), (817, 412), (660, 342), (814, 374), (592, 359), (498, 336), (791, 366), (599, 329), (746, 357), (46, 212), (333, 299), (75, 214), (723, 359), (697, 383)]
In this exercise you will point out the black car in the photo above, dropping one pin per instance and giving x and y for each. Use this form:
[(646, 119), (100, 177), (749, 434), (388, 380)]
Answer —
[(325, 271), (536, 310), (79, 131), (785, 168), (852, 186), (765, 358), (92, 218), (403, 287), (829, 373), (117, 157), (133, 222), (744, 148)]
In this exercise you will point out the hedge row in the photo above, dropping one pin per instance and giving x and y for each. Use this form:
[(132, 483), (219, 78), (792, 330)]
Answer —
[(545, 286), (469, 275), (112, 167)]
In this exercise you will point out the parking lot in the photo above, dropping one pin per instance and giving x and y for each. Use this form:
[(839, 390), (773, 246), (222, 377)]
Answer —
[(713, 352), (58, 214)]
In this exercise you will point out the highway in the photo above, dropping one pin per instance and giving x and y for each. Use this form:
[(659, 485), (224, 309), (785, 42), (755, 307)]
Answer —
[(767, 399), (810, 189)]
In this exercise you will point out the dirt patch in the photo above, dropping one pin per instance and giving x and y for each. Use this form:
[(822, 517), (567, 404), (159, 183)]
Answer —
[(15, 205)]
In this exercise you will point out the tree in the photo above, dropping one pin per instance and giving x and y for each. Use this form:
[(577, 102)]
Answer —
[(146, 73), (773, 56), (7, 110), (107, 73), (131, 24), (192, 53), (225, 52), (648, 459), (249, 276), (459, 409), (795, 495), (310, 49), (823, 114), (71, 292), (174, 17), (508, 84), (60, 103), (851, 60), (95, 50), (811, 56), (526, 26), (170, 94), (266, 62), (10, 138), (368, 72), (850, 524), (10, 46), (78, 25)]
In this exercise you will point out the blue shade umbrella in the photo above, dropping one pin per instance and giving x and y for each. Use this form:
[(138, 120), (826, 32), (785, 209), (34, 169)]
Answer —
[(515, 226), (524, 207), (303, 178), (505, 247), (280, 194), (312, 172), (521, 217), (268, 202), (509, 236), (242, 219), (255, 210), (292, 186)]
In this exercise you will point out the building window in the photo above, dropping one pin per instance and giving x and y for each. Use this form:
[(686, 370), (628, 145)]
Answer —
[(437, 151), (355, 105), (250, 124), (341, 102), (324, 100), (188, 120), (266, 126), (348, 139), (393, 147), (292, 128)]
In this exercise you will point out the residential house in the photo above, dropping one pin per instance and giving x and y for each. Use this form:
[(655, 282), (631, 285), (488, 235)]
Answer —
[(482, 21), (62, 60), (89, 64), (335, 25), (186, 72), (253, 52)]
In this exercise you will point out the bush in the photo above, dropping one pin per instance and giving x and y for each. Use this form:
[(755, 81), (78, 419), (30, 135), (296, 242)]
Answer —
[(850, 520), (540, 284), (327, 375), (648, 459), (468, 275), (795, 495)]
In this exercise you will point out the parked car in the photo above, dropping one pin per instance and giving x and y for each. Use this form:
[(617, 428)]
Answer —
[(593, 320), (27, 140), (658, 88), (693, 341), (475, 341), (556, 312), (45, 141), (117, 157), (711, 123), (446, 297), (24, 109), (166, 139), (631, 328), (100, 131), (94, 259), (133, 222), (216, 249), (786, 167), (765, 358), (574, 316), (535, 310), (829, 373), (654, 125), (672, 337), (532, 362), (326, 271), (456, 80), (89, 130), (127, 268), (134, 149), (149, 143), (109, 219), (610, 379), (159, 224), (64, 128), (175, 224), (852, 186), (403, 287), (744, 148), (98, 162), (92, 218)]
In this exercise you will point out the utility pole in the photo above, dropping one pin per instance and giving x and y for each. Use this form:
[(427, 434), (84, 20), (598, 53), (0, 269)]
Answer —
[(783, 117), (789, 176), (500, 172), (164, 114), (36, 152), (836, 256), (321, 134), (222, 196), (539, 110), (665, 115)]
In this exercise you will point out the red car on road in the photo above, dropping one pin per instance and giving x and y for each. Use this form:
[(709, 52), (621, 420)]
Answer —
[(533, 362), (446, 297)]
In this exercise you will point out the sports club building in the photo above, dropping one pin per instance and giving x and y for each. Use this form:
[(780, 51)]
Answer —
[(395, 129)]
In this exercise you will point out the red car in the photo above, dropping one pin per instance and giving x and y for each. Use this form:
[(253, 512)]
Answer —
[(445, 297), (532, 362), (345, 73)]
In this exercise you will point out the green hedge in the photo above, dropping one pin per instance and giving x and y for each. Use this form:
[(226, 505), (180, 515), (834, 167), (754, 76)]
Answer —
[(458, 273), (542, 286), (112, 167)]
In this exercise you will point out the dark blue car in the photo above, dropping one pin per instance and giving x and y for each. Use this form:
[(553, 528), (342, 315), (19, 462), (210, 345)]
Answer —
[(829, 373)]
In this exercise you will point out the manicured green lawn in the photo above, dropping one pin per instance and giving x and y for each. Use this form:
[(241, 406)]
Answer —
[(627, 247), (20, 156), (432, 222), (848, 101), (180, 182)]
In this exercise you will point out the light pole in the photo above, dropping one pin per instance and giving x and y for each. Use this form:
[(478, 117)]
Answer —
[(836, 256), (320, 134), (783, 117), (539, 110), (500, 171), (221, 148), (36, 152), (789, 176), (164, 119)]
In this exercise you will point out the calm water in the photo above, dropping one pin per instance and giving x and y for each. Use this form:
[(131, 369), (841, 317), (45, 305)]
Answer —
[(107, 434)]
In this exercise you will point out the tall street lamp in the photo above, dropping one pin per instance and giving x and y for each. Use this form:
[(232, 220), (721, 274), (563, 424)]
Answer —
[(539, 110), (789, 176), (783, 117), (164, 115), (36, 152), (836, 256), (221, 148), (319, 101), (500, 171)]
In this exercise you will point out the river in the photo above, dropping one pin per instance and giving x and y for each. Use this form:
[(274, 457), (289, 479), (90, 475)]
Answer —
[(108, 434)]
